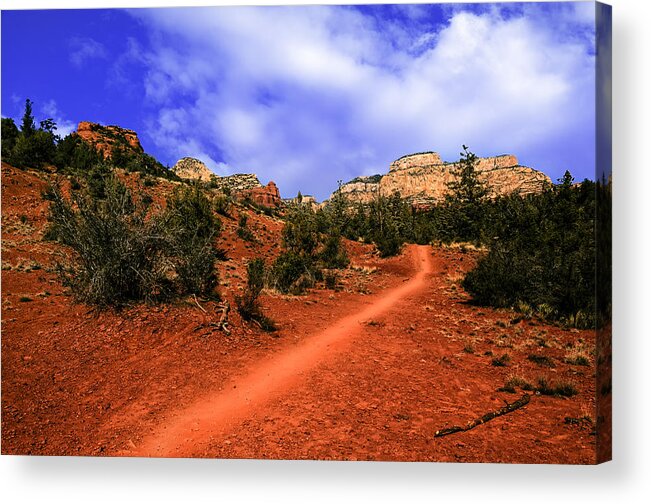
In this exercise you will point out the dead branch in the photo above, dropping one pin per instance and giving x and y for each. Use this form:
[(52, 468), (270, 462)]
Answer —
[(197, 303), (223, 319), (222, 325), (487, 417)]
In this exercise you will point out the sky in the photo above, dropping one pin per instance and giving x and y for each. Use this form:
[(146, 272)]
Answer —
[(307, 96)]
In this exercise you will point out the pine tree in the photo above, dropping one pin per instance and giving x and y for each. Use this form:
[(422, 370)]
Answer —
[(28, 126), (467, 188), (464, 210)]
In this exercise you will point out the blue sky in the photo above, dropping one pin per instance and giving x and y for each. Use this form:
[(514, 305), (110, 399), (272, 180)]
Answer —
[(306, 96)]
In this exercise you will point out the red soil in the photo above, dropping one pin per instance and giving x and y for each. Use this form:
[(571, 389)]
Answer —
[(368, 372), (215, 413)]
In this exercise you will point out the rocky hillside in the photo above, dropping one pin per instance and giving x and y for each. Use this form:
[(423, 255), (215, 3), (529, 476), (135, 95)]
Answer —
[(424, 179), (105, 138)]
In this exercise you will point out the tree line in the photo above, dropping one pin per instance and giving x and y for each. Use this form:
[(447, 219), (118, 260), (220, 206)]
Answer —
[(541, 249)]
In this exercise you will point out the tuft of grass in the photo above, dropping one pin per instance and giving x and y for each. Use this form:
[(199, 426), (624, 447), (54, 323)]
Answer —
[(516, 381), (578, 356), (541, 360), (579, 360), (560, 389), (501, 361), (468, 348)]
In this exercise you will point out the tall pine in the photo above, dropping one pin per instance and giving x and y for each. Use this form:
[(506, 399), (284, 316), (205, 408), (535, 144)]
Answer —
[(28, 126)]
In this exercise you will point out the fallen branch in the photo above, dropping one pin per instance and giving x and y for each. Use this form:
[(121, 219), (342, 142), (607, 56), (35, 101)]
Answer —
[(487, 417), (222, 325), (197, 302), (223, 319)]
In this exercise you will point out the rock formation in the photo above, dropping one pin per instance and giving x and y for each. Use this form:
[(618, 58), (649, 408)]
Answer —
[(305, 199), (267, 196), (191, 168), (240, 185), (362, 189), (424, 179), (104, 138)]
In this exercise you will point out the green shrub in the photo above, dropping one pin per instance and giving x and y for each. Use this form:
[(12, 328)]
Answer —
[(96, 179), (122, 254), (333, 255), (330, 279), (10, 135), (34, 151), (542, 254), (32, 147), (243, 230), (222, 205), (300, 234), (191, 228), (76, 156), (248, 305), (388, 243), (292, 273)]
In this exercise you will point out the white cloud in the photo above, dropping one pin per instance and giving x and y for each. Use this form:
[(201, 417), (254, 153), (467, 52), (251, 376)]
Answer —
[(309, 95), (64, 126), (83, 49)]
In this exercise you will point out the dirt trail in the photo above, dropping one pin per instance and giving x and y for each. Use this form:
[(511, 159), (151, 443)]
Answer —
[(211, 416)]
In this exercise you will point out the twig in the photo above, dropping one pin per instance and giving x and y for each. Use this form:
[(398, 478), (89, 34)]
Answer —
[(223, 320), (197, 302), (486, 418)]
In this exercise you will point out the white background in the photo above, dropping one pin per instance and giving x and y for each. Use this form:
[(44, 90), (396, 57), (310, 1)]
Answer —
[(626, 479)]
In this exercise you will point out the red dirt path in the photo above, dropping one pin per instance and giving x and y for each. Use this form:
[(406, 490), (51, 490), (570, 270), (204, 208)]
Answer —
[(188, 432)]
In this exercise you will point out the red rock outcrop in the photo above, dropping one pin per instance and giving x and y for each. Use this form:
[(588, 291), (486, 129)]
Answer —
[(104, 138), (267, 196), (424, 179)]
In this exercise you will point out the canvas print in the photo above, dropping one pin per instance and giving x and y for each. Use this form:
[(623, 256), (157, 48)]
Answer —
[(353, 232)]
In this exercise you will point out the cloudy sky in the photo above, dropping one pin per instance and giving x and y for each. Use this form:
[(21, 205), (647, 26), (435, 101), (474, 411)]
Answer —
[(307, 96)]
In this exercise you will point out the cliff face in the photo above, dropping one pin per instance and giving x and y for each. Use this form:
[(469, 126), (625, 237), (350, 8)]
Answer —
[(268, 195), (104, 138), (424, 179), (191, 168), (362, 189)]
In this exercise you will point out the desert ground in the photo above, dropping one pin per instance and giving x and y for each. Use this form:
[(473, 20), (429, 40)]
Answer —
[(370, 370)]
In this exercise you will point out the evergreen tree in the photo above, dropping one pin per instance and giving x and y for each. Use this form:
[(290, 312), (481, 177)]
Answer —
[(10, 134), (28, 126), (465, 210), (467, 188)]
